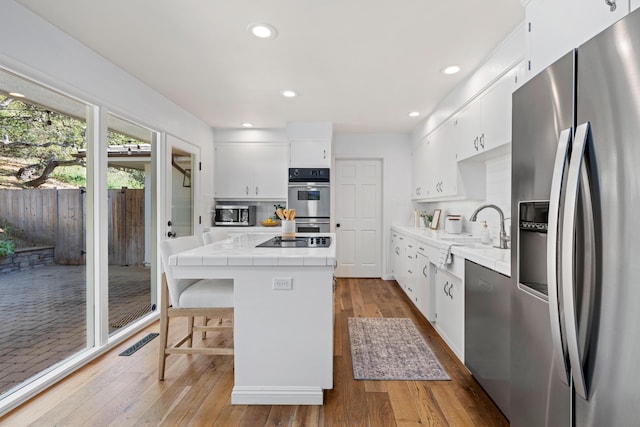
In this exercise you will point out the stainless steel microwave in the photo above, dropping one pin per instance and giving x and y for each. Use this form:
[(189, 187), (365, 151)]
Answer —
[(235, 215)]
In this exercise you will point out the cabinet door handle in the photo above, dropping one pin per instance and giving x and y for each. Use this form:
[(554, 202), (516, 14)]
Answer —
[(482, 140), (247, 190), (451, 291), (256, 191), (324, 154), (445, 288), (424, 271), (611, 4)]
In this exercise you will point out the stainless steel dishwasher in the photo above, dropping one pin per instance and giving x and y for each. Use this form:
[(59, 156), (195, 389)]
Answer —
[(487, 331)]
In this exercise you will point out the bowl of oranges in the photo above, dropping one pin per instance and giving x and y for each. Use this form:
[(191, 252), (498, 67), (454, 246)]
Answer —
[(270, 222)]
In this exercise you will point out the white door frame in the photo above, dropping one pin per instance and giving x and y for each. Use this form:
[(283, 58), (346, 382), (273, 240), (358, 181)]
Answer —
[(382, 206)]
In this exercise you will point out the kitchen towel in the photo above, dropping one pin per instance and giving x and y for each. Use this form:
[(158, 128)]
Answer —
[(445, 256)]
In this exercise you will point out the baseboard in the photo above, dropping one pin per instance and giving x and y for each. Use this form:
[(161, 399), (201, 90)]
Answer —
[(276, 395)]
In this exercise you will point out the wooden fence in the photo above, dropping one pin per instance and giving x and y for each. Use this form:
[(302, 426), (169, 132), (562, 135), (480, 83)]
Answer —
[(57, 218)]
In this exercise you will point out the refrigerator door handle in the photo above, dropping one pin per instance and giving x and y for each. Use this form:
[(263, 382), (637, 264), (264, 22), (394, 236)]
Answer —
[(576, 175), (559, 167)]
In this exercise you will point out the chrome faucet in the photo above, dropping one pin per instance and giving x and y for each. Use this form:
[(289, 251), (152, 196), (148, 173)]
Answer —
[(504, 239)]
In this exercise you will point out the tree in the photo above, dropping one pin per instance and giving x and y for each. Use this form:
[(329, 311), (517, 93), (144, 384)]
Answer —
[(47, 139)]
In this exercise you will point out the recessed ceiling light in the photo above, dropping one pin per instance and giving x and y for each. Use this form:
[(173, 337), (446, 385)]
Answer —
[(16, 94), (247, 125), (263, 31), (414, 114), (288, 93), (451, 69)]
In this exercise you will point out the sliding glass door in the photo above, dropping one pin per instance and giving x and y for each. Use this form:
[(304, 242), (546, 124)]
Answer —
[(43, 232), (78, 229), (129, 189)]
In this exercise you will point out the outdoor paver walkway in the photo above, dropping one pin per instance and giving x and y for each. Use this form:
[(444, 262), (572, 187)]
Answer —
[(43, 315)]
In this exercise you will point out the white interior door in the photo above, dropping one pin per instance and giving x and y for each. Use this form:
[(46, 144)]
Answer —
[(358, 217)]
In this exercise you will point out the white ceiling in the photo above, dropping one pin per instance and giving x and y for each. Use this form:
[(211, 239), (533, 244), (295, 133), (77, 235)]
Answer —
[(361, 64)]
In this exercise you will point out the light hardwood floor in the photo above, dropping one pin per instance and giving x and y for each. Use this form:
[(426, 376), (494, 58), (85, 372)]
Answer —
[(124, 391)]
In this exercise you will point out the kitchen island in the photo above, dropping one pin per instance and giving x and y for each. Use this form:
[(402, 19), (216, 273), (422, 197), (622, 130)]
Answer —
[(283, 315)]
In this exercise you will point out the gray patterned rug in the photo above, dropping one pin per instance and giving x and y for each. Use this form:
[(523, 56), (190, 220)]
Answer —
[(391, 349)]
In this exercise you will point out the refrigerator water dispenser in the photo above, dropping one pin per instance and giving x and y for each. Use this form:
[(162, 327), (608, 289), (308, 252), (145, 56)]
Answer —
[(532, 247)]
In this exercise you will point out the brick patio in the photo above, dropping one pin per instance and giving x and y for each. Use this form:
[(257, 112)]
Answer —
[(43, 315)]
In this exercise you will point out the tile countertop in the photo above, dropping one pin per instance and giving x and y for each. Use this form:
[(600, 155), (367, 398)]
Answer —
[(486, 255), (258, 228), (241, 250)]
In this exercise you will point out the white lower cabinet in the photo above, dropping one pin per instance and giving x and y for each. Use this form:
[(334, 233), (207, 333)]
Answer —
[(437, 293), (449, 310), (410, 269), (424, 299), (394, 253), (408, 263)]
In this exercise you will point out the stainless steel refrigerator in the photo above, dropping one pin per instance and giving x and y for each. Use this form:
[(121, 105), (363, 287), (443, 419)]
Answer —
[(575, 300)]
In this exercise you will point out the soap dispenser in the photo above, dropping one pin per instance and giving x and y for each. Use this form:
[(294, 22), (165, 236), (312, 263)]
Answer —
[(485, 236)]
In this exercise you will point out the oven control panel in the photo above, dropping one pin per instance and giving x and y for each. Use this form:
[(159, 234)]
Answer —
[(308, 174)]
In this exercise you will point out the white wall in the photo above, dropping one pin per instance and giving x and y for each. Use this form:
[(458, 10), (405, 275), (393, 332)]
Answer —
[(395, 150), (33, 48)]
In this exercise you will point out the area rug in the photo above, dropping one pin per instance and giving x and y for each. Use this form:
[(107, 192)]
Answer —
[(391, 349)]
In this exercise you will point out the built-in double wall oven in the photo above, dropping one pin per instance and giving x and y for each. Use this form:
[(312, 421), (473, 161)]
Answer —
[(310, 196)]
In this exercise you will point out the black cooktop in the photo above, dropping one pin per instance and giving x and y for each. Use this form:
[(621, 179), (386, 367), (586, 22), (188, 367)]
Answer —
[(297, 242)]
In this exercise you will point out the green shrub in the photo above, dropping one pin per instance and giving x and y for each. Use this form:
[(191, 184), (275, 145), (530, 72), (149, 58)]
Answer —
[(7, 247), (74, 175)]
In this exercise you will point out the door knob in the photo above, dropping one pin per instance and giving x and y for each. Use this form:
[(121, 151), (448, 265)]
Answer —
[(171, 234), (337, 225), (169, 223)]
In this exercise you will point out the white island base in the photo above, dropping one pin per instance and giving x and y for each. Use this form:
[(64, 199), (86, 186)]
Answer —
[(283, 338)]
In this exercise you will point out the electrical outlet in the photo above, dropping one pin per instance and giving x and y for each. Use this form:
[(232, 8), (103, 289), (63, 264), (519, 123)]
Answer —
[(282, 283)]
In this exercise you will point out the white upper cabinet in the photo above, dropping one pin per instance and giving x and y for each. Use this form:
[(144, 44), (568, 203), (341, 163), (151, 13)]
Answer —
[(485, 123), (466, 126), (444, 179), (420, 170), (310, 144), (554, 27), (436, 173), (495, 111), (310, 153), (251, 171), (434, 167)]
